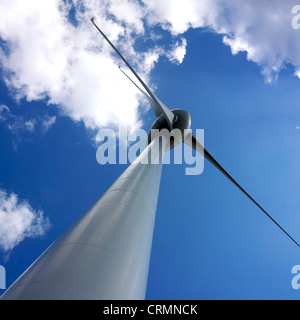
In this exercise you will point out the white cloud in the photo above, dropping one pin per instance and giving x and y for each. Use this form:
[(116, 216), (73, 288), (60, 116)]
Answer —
[(19, 221), (49, 57), (129, 12), (48, 122), (178, 52), (30, 125), (178, 16), (19, 125), (262, 29)]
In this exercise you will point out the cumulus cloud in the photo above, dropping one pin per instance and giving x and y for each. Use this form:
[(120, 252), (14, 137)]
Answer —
[(262, 29), (178, 16), (49, 54), (18, 220)]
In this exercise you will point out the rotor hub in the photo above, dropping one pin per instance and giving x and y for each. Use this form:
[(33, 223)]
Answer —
[(182, 121)]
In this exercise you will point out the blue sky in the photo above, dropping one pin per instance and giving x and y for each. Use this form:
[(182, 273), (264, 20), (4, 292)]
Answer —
[(210, 241)]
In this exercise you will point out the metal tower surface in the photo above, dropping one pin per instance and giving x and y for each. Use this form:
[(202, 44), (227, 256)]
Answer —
[(106, 253)]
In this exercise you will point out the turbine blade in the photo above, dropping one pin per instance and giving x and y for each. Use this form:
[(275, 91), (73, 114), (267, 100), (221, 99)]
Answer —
[(212, 160), (158, 107), (157, 112)]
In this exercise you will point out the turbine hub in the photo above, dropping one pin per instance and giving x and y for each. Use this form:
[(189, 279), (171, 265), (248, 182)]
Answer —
[(182, 121)]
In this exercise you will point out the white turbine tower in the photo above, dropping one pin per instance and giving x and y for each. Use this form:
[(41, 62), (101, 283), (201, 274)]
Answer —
[(106, 253)]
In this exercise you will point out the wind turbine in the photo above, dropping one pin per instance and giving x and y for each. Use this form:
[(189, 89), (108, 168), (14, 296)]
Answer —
[(105, 254)]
